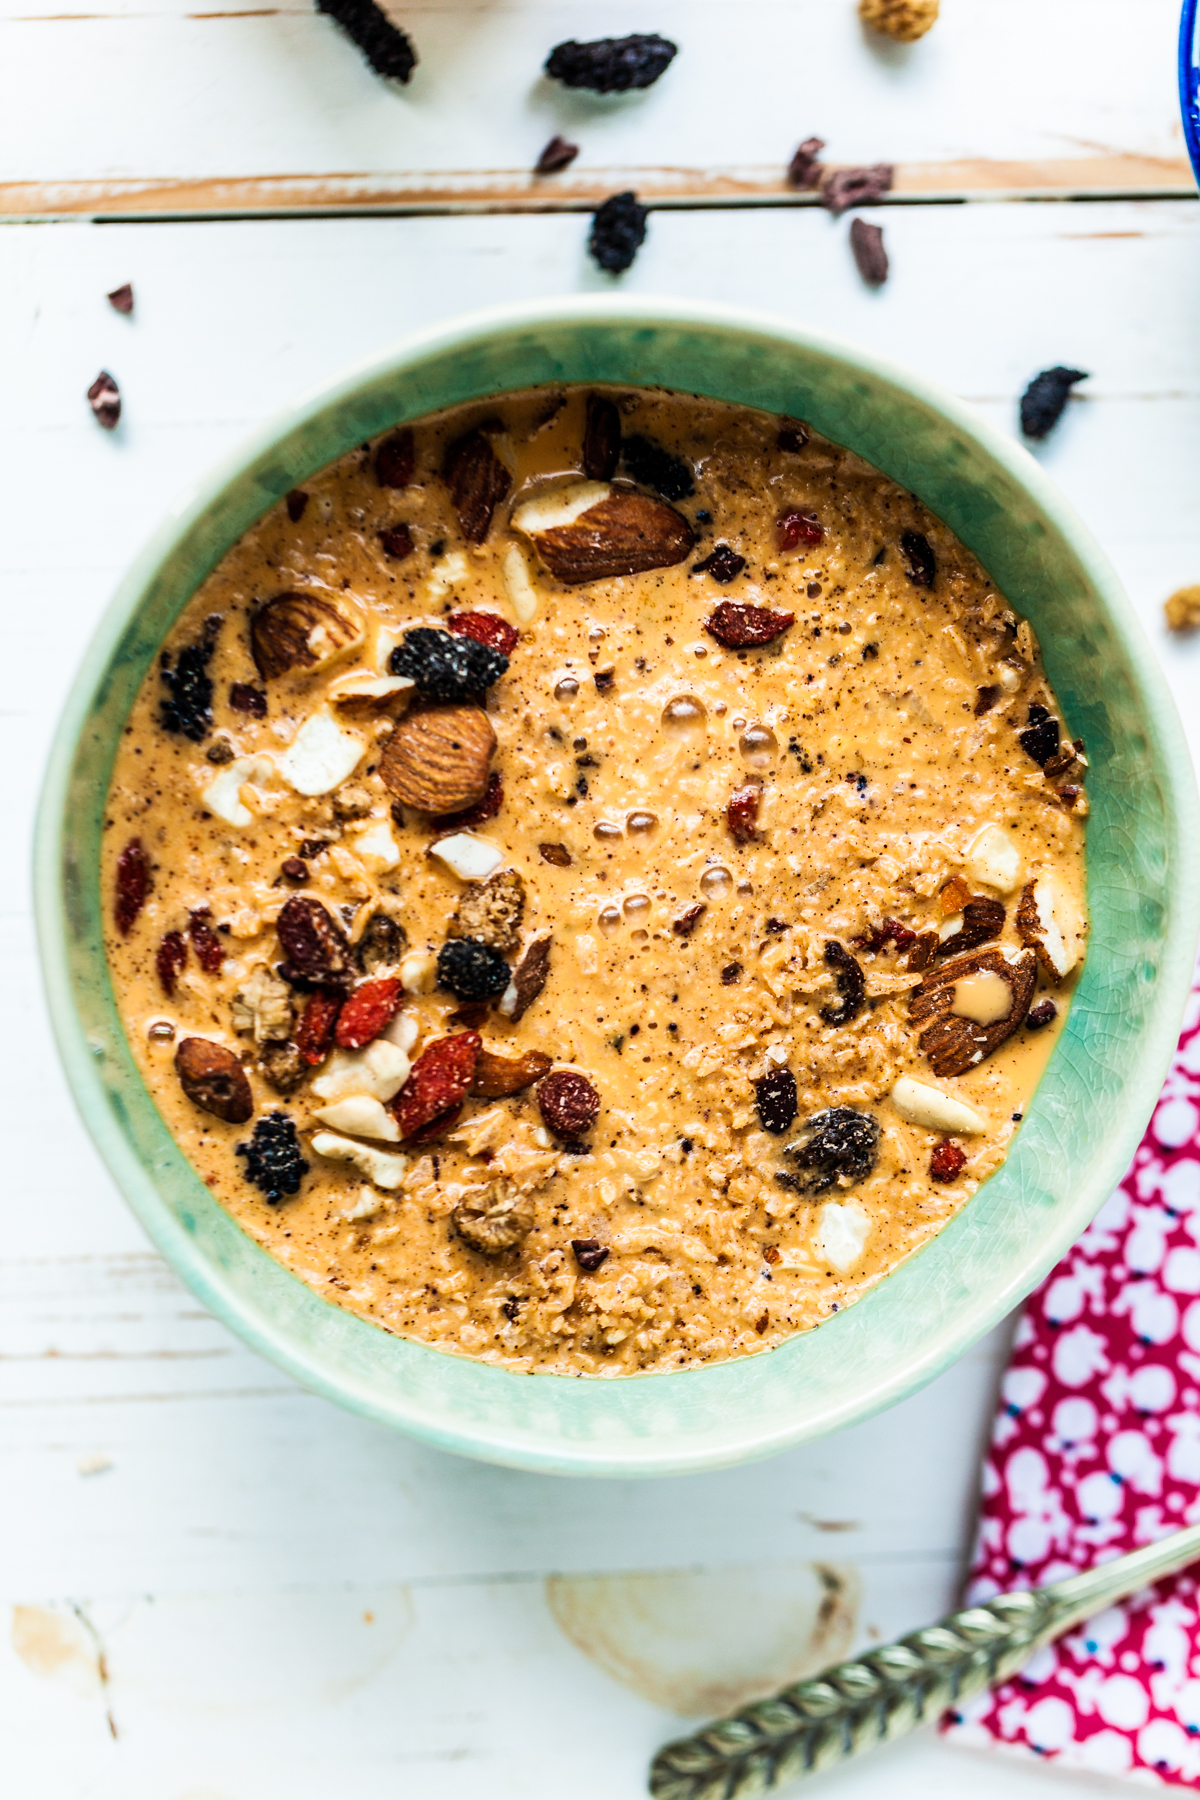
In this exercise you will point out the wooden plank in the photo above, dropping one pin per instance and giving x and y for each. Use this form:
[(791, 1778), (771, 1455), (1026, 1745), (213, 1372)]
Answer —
[(170, 112)]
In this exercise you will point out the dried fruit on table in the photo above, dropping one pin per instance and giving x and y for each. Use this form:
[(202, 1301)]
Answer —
[(870, 257), (805, 169), (397, 542), (528, 979), (618, 232), (498, 1076), (920, 563), (557, 156), (794, 529), (314, 1034), (687, 922), (851, 985), (438, 1082), (170, 960), (840, 1146), (478, 481), (775, 1099), (611, 65), (1041, 737), (624, 534), (299, 631), (495, 1219), (133, 885), (490, 912), (740, 627), (601, 438), (187, 708), (471, 971), (844, 188), (121, 298), (982, 920), (486, 628), (1182, 610), (589, 1253), (447, 667), (479, 814), (1044, 400), (954, 1042), (568, 1103), (382, 944), (212, 1078), (389, 50), (395, 460), (437, 760), (272, 1157), (314, 944), (210, 952), (368, 1011), (947, 1161), (722, 563), (741, 814), (104, 397), (244, 698), (262, 1007), (904, 20), (653, 466)]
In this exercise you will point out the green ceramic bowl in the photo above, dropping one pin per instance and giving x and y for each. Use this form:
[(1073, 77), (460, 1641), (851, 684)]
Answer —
[(1103, 1077)]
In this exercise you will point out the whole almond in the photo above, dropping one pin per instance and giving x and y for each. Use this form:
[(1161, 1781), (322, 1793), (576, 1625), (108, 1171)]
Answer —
[(299, 631), (437, 760), (498, 1076), (212, 1078), (622, 535)]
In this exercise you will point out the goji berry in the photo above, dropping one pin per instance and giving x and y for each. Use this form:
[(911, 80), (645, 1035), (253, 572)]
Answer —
[(796, 528), (947, 1161), (169, 960), (485, 628), (369, 1008), (133, 885), (314, 1034), (438, 1081), (741, 815), (210, 953)]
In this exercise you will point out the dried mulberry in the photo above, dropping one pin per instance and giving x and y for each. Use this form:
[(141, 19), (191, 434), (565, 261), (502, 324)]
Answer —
[(775, 1097), (272, 1157), (447, 668), (472, 971), (1043, 401), (188, 708), (838, 1142), (618, 232), (611, 65), (389, 50)]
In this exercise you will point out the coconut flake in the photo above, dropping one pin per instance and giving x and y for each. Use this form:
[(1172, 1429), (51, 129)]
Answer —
[(362, 686), (365, 1207), (362, 1115), (922, 1104), (471, 858), (994, 860), (518, 584), (561, 506), (841, 1234), (449, 573), (382, 1167), (380, 1070), (321, 756), (377, 846), (404, 1029), (224, 795)]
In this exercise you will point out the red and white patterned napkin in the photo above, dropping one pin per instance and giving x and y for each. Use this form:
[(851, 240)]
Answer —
[(1095, 1451)]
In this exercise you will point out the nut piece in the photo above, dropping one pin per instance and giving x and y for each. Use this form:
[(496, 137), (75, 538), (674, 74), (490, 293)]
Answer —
[(982, 920), (283, 1066), (437, 760), (498, 1076), (491, 911), (494, 1220), (1049, 921), (601, 438), (382, 944), (528, 980), (477, 480), (994, 860), (313, 942), (262, 1007), (953, 1041), (622, 534), (568, 1103), (299, 631), (904, 20), (1182, 610), (922, 1104), (212, 1078)]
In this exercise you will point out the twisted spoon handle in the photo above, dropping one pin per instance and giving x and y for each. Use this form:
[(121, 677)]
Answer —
[(858, 1704)]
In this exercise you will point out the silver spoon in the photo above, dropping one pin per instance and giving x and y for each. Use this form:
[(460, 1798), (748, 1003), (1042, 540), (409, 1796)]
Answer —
[(813, 1725)]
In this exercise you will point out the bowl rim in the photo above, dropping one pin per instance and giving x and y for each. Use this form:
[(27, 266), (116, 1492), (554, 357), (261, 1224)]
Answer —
[(523, 1448), (1189, 80)]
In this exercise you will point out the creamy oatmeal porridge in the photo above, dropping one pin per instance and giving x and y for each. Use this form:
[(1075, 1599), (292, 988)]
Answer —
[(595, 878)]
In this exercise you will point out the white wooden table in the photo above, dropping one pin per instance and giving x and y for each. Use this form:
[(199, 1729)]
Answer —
[(222, 1588)]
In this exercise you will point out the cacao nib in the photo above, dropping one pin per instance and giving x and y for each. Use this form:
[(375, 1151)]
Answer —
[(558, 854), (687, 922), (589, 1253), (296, 501), (871, 259), (389, 50), (397, 542), (601, 438), (272, 1157), (246, 699), (775, 1099), (985, 699), (837, 1142), (723, 564), (740, 627), (731, 974), (844, 188), (851, 985), (618, 232), (104, 397), (1044, 400), (654, 467), (557, 156), (916, 553), (793, 435), (188, 706), (805, 169), (133, 885), (478, 481), (1041, 737), (121, 299), (611, 65), (395, 460)]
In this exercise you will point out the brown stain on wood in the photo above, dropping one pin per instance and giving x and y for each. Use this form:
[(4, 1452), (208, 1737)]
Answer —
[(511, 190)]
